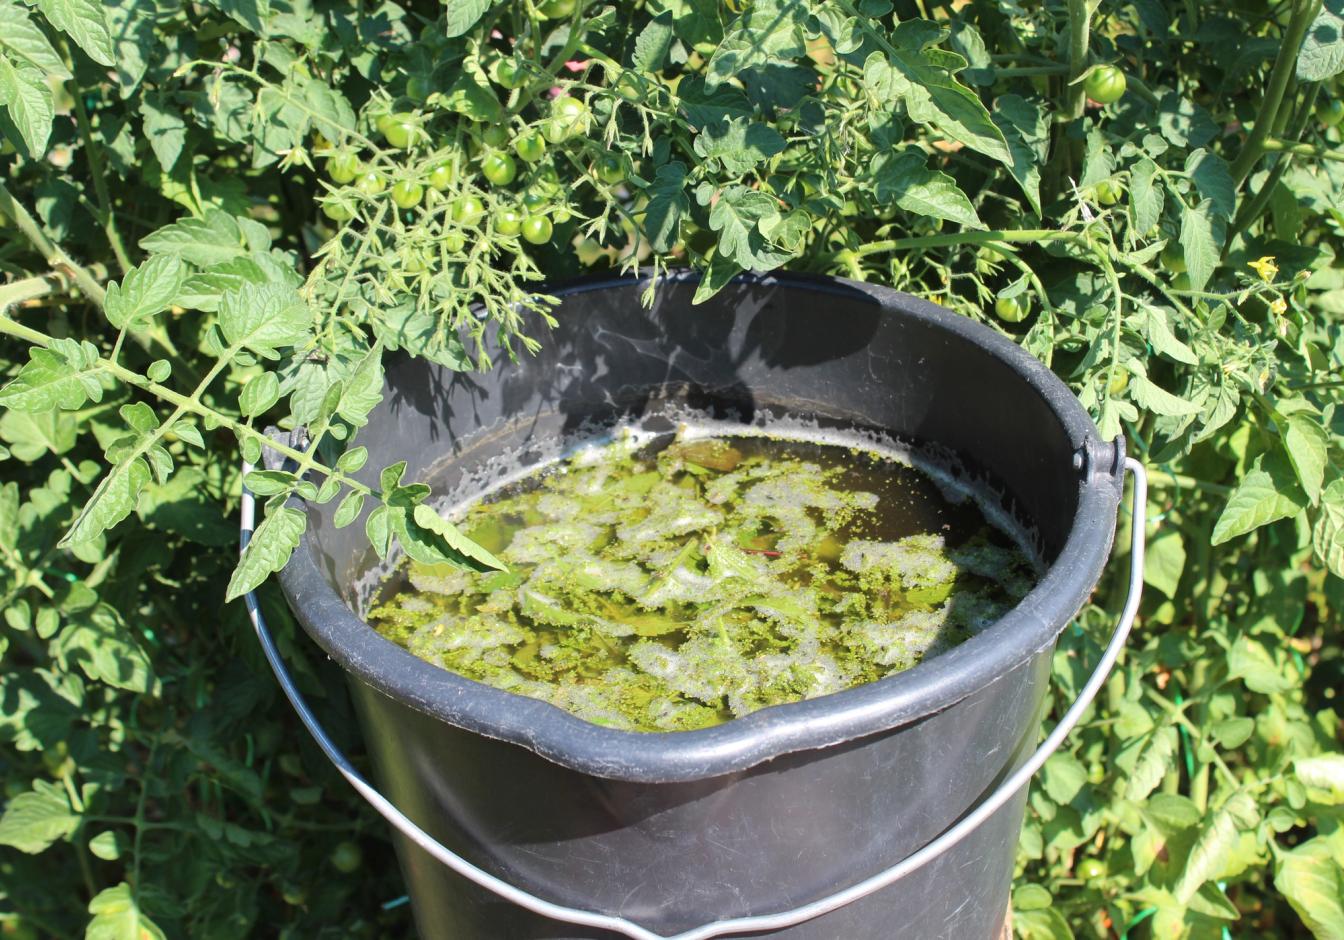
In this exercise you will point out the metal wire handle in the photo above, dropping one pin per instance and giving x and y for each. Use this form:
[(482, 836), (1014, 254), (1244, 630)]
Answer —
[(758, 922)]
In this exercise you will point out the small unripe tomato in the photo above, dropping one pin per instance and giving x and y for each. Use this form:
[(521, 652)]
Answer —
[(337, 209), (1091, 869), (370, 182), (468, 211), (1012, 309), (1108, 192), (499, 168), (1173, 258), (495, 135), (537, 229), (610, 170), (442, 176), (346, 857), (342, 167), (402, 130), (508, 221), (1116, 386), (1330, 111), (1105, 84), (531, 146), (568, 117), (407, 194), (508, 73), (534, 201), (556, 9), (454, 241)]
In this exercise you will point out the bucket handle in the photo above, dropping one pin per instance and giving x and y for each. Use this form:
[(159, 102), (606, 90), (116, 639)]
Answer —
[(736, 925)]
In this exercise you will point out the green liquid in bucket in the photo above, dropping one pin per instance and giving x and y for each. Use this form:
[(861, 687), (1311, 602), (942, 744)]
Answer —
[(675, 585)]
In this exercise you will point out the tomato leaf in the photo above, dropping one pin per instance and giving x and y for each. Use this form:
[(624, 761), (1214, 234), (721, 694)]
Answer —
[(268, 549), (24, 92), (145, 291), (37, 818), (85, 22), (463, 14), (1266, 494), (459, 545), (1322, 53), (1328, 533), (1311, 879)]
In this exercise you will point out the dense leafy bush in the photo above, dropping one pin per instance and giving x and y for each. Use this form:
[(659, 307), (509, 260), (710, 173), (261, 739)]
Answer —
[(224, 214)]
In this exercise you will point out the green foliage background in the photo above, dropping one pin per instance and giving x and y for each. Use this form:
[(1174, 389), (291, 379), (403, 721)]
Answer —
[(213, 221)]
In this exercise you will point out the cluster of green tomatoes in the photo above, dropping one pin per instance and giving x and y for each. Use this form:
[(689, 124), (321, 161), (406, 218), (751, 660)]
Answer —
[(448, 180)]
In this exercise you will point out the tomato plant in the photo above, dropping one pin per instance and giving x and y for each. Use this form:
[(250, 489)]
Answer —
[(200, 243)]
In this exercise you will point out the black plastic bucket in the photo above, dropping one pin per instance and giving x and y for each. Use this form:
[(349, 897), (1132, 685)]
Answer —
[(791, 803)]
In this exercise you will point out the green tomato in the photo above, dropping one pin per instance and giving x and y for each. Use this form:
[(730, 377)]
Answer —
[(1116, 386), (556, 9), (294, 895), (337, 209), (407, 194), (1091, 869), (443, 175), (534, 201), (1173, 258), (454, 241), (412, 262), (508, 74), (342, 167), (499, 168), (560, 215), (531, 147), (383, 122), (495, 135), (508, 221), (370, 182), (468, 211), (1108, 192), (569, 116), (402, 131), (1180, 281), (610, 170), (1012, 309), (346, 857), (1330, 112), (537, 229), (1105, 85)]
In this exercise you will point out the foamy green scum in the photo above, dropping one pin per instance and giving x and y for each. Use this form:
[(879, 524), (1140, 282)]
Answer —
[(679, 590)]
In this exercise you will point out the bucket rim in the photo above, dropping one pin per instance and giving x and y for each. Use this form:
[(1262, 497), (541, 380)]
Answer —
[(811, 724)]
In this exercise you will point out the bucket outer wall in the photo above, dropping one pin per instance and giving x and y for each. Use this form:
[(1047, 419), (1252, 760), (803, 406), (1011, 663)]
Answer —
[(792, 802)]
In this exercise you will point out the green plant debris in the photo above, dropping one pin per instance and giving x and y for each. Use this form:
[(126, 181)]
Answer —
[(672, 588)]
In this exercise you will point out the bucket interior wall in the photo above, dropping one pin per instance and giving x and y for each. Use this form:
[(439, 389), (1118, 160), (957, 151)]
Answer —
[(558, 806)]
